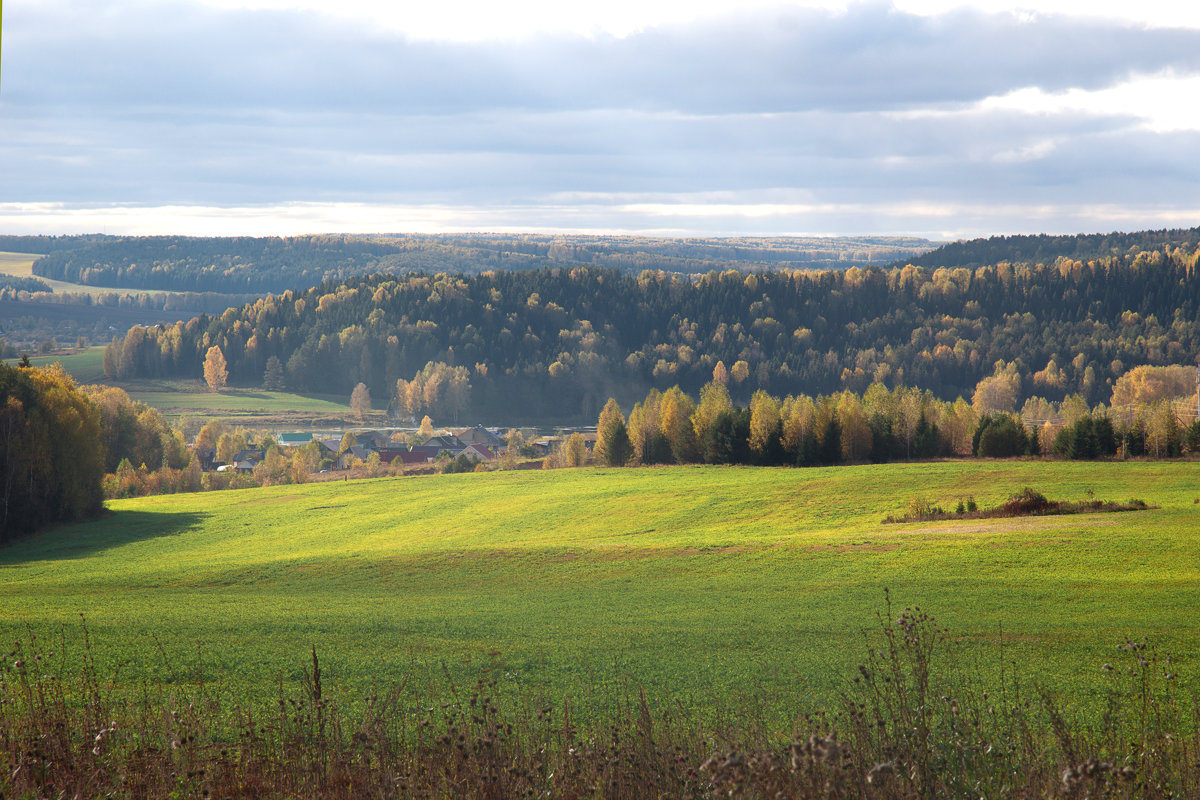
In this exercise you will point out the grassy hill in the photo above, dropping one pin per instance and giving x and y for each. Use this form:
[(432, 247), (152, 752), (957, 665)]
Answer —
[(696, 583)]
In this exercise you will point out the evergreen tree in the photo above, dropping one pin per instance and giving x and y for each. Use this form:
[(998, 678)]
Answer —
[(273, 376)]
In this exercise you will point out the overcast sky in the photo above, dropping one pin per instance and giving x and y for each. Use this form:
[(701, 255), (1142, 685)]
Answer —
[(926, 117)]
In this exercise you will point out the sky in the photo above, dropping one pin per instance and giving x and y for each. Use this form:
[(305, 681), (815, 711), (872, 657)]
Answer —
[(933, 118)]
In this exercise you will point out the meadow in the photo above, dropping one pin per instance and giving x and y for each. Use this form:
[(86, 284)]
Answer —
[(20, 265), (235, 405), (192, 398), (712, 586)]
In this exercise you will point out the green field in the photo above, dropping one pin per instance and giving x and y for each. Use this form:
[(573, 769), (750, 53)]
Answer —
[(85, 366), (20, 265), (695, 583), (240, 404), (174, 398)]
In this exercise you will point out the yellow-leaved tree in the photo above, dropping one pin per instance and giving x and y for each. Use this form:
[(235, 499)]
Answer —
[(216, 371)]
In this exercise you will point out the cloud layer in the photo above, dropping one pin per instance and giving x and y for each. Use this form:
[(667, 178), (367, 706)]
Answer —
[(787, 121)]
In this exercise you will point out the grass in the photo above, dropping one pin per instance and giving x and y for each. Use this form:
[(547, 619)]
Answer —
[(242, 404), (173, 398), (85, 366), (916, 724), (721, 585), (20, 265)]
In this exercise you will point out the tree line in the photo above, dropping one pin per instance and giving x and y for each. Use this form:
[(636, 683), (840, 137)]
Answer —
[(554, 344), (51, 456), (273, 264), (880, 425), (59, 440), (1043, 249)]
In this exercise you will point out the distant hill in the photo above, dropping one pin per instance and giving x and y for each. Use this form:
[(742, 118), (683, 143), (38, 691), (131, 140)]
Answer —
[(1043, 249), (47, 244), (245, 264)]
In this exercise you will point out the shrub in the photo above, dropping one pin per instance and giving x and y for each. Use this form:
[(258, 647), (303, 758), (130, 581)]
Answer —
[(1027, 502)]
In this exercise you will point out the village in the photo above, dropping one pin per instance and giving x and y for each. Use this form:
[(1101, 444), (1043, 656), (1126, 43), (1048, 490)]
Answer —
[(400, 450)]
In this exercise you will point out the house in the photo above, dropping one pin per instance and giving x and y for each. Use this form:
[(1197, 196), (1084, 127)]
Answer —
[(294, 439), (479, 435), (446, 441), (357, 451), (389, 454), (254, 455), (479, 452), (373, 439), (420, 455)]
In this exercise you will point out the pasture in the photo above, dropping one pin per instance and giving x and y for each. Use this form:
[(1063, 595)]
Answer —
[(192, 398), (234, 405), (702, 584), (85, 366), (20, 265)]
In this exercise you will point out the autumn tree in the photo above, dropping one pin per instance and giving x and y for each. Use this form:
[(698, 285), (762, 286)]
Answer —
[(575, 451), (215, 370), (1146, 385), (360, 401), (720, 374), (613, 448), (765, 428), (714, 401), (51, 456), (229, 445), (741, 371), (210, 434), (675, 423), (797, 417), (649, 444), (855, 440), (997, 393)]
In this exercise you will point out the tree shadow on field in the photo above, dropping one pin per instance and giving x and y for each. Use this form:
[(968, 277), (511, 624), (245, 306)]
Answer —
[(83, 539)]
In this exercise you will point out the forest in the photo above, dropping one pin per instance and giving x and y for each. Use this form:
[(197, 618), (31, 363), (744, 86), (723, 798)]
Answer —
[(51, 450), (244, 265), (552, 345), (1041, 248)]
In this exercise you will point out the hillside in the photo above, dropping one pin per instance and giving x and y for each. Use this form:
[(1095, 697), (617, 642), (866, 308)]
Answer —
[(697, 583), (1043, 249), (552, 345), (241, 265)]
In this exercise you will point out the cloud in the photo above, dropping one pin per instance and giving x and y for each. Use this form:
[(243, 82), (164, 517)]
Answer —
[(795, 118)]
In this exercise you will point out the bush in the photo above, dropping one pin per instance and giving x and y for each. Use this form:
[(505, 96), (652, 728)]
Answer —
[(1027, 502)]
